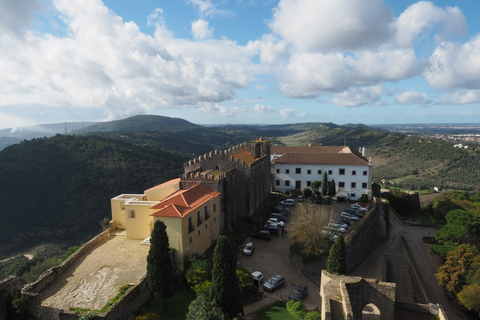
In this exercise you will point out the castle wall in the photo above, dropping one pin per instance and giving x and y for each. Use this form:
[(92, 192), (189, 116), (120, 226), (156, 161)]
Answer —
[(361, 242)]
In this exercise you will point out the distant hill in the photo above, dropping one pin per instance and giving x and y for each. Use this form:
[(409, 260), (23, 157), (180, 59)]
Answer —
[(42, 130), (141, 123)]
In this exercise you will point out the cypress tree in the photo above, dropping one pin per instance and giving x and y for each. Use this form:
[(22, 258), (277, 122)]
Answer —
[(337, 259), (324, 184), (225, 290), (159, 264), (331, 188)]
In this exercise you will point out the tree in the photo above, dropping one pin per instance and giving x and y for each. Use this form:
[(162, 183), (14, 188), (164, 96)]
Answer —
[(453, 273), (225, 290), (337, 259), (202, 308), (324, 184), (306, 229), (470, 297), (159, 264), (443, 205), (316, 185), (331, 188), (307, 192)]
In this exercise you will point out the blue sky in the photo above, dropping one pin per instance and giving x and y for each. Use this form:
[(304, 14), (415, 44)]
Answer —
[(240, 61)]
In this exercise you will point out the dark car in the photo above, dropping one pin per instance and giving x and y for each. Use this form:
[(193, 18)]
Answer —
[(299, 292), (327, 201), (274, 283), (274, 230), (262, 234)]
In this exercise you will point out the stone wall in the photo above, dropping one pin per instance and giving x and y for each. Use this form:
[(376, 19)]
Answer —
[(362, 240), (5, 285)]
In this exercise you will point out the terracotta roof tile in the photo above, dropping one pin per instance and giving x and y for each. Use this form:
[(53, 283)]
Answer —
[(184, 201), (325, 155), (308, 149), (245, 156)]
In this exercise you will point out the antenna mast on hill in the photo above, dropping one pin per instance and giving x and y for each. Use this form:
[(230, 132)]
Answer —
[(66, 132), (345, 141)]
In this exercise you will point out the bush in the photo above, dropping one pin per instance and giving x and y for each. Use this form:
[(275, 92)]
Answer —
[(148, 316), (313, 316), (296, 308)]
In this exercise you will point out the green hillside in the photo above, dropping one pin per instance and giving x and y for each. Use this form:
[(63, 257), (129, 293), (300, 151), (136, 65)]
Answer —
[(140, 123)]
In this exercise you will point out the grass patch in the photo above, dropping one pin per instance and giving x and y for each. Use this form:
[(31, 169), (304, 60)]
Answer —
[(177, 306), (121, 293), (278, 311)]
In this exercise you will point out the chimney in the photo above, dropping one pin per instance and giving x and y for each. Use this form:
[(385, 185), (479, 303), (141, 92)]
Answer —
[(363, 152)]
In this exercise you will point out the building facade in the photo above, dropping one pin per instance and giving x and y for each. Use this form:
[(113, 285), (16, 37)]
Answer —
[(297, 167)]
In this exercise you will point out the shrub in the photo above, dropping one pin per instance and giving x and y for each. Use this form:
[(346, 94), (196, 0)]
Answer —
[(148, 316), (312, 316), (296, 308)]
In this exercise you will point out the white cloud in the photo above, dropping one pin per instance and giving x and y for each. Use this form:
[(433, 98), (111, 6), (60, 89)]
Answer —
[(412, 97), (105, 62), (270, 48), (423, 16), (462, 97), (455, 66), (326, 25), (355, 97), (17, 16), (263, 109), (215, 108), (200, 29), (287, 113)]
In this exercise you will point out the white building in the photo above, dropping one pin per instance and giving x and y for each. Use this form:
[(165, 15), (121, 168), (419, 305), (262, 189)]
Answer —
[(295, 168)]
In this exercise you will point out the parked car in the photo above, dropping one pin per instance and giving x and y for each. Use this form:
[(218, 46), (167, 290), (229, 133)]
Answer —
[(274, 283), (327, 201), (346, 221), (300, 291), (257, 276), (361, 204), (340, 223), (354, 211), (358, 207), (348, 216), (249, 248), (277, 221), (273, 230), (319, 200), (279, 216), (262, 234), (337, 227), (285, 210), (287, 202), (300, 198)]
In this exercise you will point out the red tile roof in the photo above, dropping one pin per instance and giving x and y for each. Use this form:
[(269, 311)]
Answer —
[(323, 155), (245, 156), (184, 201)]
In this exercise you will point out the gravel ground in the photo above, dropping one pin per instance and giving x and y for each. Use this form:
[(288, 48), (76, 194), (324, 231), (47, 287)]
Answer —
[(94, 279)]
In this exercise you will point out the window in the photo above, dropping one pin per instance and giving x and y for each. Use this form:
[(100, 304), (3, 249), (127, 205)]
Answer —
[(277, 182), (206, 225), (298, 170), (354, 173), (341, 171), (341, 184), (215, 219), (190, 239), (206, 213), (122, 205), (287, 183), (309, 171), (214, 207), (198, 231), (277, 170), (354, 184), (287, 170), (352, 195), (309, 183), (199, 218), (190, 224), (319, 171), (364, 173), (330, 172), (364, 185), (131, 214)]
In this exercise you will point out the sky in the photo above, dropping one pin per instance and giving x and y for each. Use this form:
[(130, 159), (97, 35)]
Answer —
[(240, 61)]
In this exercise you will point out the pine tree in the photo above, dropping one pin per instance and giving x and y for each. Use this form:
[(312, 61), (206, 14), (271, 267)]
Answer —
[(159, 264), (225, 290), (337, 259), (331, 188), (324, 184)]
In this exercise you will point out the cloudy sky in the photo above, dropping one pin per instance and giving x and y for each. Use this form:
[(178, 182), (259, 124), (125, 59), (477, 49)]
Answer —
[(240, 61)]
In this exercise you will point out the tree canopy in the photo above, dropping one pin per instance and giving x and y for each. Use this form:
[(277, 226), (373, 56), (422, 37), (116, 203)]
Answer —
[(337, 259)]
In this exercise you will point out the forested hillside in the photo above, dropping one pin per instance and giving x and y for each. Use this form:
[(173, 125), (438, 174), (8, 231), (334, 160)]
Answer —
[(58, 189)]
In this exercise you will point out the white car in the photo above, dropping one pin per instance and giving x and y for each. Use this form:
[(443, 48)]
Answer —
[(359, 207), (279, 222), (348, 216), (336, 227), (288, 202), (258, 276)]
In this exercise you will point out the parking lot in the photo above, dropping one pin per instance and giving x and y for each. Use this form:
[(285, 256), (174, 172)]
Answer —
[(271, 258)]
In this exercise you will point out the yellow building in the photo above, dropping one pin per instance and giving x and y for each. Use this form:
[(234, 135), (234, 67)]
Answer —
[(192, 216)]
